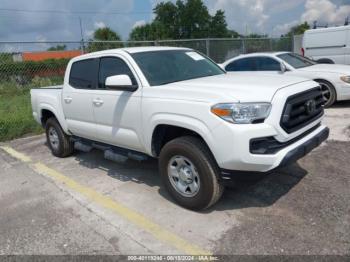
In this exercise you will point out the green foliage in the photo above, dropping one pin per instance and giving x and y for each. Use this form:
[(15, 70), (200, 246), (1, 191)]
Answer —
[(298, 29), (104, 34), (22, 73), (6, 57), (16, 117), (233, 34), (17, 78), (186, 19), (155, 30), (255, 35), (218, 25), (57, 48)]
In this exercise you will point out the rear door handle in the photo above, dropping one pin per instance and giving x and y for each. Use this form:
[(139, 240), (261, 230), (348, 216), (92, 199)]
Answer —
[(68, 100), (98, 102)]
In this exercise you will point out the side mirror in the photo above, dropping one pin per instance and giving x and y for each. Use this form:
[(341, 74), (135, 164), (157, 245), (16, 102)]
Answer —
[(120, 82), (283, 68)]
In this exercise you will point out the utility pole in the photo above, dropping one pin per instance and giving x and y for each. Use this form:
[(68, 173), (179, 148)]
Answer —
[(82, 36)]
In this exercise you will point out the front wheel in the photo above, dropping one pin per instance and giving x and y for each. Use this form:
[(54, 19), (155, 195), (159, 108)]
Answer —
[(190, 173)]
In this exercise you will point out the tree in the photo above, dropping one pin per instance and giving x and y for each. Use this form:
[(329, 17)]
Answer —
[(104, 34), (167, 17), (194, 19), (184, 19), (298, 29), (285, 42), (57, 48), (152, 31), (218, 25), (255, 35)]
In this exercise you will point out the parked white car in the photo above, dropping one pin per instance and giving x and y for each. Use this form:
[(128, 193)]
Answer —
[(328, 45), (204, 125), (333, 79)]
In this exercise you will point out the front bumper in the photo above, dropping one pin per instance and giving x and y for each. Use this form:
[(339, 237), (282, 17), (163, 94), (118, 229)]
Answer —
[(305, 148), (290, 157)]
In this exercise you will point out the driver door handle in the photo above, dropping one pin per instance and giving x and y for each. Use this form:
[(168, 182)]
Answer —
[(98, 102)]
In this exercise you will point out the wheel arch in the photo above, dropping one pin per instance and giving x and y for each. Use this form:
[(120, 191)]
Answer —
[(164, 131), (47, 111), (328, 81)]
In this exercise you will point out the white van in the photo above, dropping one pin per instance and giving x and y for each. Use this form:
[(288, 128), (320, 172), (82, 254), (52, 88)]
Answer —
[(328, 45)]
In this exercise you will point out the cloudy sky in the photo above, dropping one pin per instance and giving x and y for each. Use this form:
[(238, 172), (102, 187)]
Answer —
[(262, 16)]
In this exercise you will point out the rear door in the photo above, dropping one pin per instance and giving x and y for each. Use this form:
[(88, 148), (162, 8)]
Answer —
[(77, 98)]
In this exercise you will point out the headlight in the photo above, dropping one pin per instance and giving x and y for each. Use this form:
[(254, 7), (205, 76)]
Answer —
[(242, 113), (346, 79)]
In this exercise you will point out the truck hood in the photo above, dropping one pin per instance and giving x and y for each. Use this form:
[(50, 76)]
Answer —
[(235, 87), (328, 68)]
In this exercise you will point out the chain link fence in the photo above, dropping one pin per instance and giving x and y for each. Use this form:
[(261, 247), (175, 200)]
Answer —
[(25, 65)]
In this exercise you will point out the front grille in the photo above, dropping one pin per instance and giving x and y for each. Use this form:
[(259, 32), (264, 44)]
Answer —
[(301, 109)]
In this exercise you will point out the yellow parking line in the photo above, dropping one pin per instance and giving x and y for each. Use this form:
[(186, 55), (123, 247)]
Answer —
[(16, 154), (132, 216)]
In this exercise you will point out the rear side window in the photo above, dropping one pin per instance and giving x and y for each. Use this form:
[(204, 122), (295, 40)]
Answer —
[(83, 74), (268, 64), (244, 64), (110, 66)]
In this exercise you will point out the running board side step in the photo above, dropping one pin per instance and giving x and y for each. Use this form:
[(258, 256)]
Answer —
[(113, 153), (78, 145)]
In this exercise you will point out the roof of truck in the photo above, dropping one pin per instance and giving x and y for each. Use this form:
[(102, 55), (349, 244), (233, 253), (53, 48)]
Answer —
[(151, 48), (130, 50)]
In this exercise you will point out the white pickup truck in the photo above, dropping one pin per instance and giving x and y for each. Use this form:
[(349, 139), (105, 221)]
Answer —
[(175, 104)]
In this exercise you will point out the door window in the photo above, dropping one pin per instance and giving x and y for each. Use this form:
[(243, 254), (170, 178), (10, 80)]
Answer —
[(244, 64), (83, 74), (254, 64), (110, 66), (268, 64)]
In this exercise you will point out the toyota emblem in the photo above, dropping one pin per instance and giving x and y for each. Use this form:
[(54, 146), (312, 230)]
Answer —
[(310, 106)]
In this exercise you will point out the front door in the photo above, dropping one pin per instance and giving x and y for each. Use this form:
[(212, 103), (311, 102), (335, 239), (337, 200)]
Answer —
[(117, 113)]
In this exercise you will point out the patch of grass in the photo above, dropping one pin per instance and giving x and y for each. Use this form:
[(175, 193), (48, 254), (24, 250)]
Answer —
[(16, 118)]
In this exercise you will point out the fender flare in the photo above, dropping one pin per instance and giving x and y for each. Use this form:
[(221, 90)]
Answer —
[(181, 121), (45, 106)]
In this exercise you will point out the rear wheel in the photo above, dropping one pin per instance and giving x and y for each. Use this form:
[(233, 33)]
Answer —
[(190, 173), (328, 92), (59, 143)]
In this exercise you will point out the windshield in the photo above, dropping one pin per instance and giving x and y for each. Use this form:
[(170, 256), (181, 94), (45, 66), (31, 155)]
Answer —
[(164, 67), (296, 61)]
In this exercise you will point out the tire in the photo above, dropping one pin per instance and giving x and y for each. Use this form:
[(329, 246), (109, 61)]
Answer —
[(330, 95), (59, 143), (205, 172)]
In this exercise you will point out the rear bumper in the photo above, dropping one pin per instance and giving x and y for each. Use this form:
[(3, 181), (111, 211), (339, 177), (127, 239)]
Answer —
[(290, 157)]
